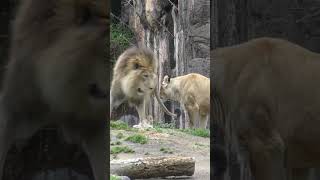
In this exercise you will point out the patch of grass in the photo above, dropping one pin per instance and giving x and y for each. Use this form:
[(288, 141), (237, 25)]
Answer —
[(121, 149), (166, 150), (134, 129), (119, 135), (112, 177), (137, 138), (159, 130), (197, 132), (119, 125), (198, 144)]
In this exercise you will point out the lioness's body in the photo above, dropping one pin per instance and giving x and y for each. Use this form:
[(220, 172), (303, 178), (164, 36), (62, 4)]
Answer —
[(269, 91), (193, 91)]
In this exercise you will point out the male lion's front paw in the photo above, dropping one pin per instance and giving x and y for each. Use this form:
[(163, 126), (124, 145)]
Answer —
[(138, 126), (146, 125)]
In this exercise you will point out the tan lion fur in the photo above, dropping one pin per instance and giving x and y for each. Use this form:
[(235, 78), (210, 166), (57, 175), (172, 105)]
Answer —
[(193, 92), (134, 81), (269, 92)]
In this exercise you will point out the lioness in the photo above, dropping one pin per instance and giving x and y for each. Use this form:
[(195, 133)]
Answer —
[(267, 93), (193, 92)]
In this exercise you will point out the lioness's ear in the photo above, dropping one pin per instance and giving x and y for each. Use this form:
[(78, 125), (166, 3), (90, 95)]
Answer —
[(166, 79)]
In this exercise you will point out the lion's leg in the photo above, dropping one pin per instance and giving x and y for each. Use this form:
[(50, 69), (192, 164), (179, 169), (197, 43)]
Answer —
[(192, 108), (148, 118), (193, 115), (203, 121), (116, 98), (6, 139), (142, 116), (95, 148), (255, 130), (267, 157), (299, 174), (12, 130)]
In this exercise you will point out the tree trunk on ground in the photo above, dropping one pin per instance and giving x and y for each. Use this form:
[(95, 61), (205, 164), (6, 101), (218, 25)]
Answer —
[(154, 167)]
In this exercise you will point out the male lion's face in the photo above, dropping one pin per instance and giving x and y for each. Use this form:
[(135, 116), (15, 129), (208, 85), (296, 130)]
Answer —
[(67, 41), (147, 83), (137, 66), (141, 79)]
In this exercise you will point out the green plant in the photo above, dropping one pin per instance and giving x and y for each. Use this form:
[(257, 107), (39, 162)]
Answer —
[(112, 177), (159, 130), (197, 132), (121, 38), (119, 125), (137, 138), (120, 149), (199, 144)]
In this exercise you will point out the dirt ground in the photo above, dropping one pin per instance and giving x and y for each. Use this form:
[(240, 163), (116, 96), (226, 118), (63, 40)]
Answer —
[(179, 143)]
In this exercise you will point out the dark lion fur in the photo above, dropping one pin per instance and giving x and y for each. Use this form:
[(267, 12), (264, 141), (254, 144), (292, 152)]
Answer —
[(268, 95), (57, 74)]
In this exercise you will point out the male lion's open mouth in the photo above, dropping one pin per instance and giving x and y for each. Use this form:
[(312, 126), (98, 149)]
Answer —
[(140, 91)]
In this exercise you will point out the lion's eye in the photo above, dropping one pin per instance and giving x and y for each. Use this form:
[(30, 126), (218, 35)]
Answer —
[(146, 75), (136, 66)]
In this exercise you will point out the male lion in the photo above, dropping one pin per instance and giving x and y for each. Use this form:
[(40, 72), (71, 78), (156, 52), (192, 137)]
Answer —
[(134, 80), (56, 75), (267, 92), (193, 92)]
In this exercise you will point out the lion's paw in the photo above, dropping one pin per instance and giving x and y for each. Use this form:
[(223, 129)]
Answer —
[(147, 126), (138, 126)]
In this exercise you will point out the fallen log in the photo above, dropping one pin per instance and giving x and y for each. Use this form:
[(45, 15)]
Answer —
[(152, 167)]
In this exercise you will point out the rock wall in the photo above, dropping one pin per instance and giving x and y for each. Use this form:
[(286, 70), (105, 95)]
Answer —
[(178, 31)]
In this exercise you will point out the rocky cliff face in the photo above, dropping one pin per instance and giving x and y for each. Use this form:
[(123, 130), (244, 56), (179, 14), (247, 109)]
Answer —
[(178, 31)]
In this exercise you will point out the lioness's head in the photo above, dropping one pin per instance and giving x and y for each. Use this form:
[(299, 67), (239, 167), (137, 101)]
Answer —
[(135, 69), (166, 90)]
